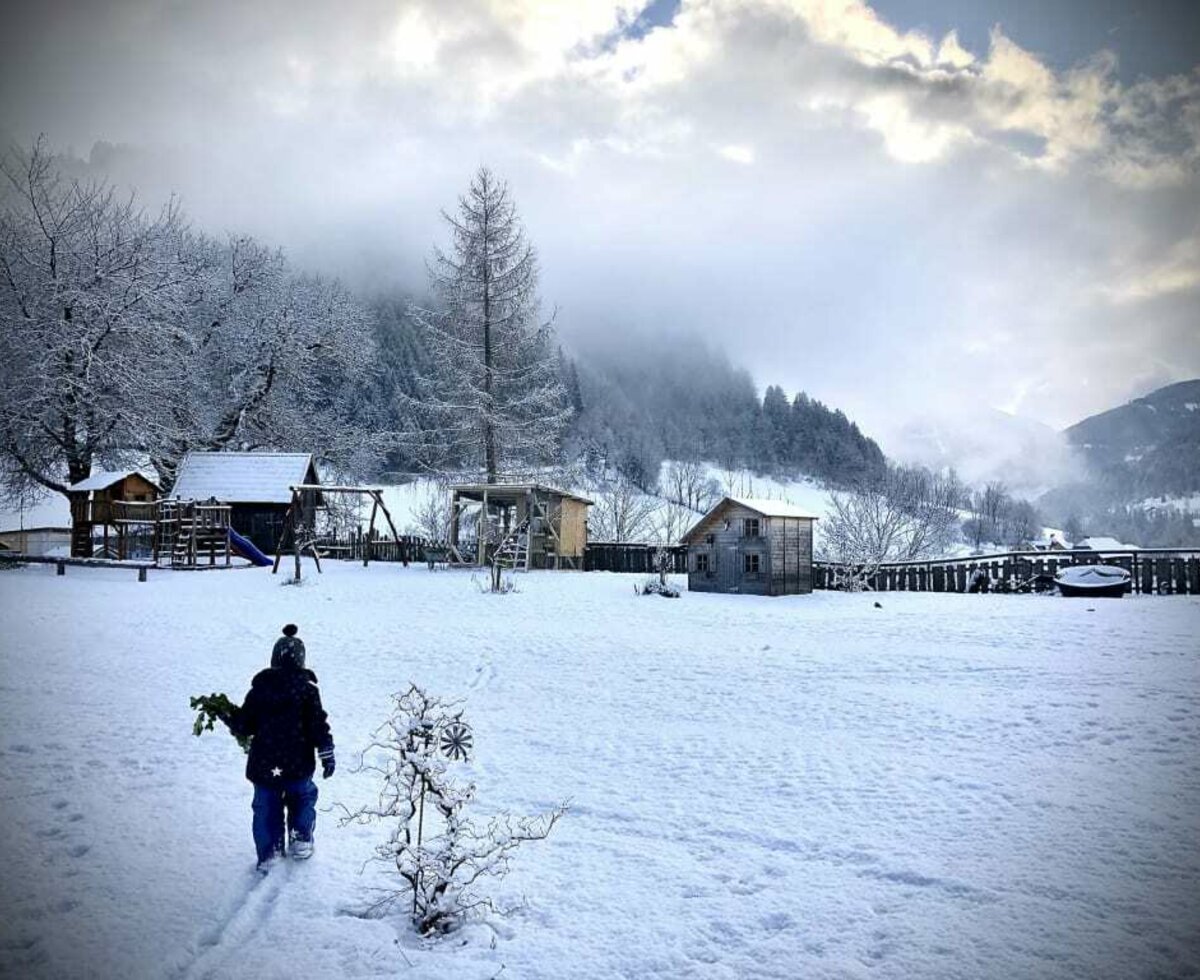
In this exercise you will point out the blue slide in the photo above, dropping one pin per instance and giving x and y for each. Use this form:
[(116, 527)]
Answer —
[(245, 548)]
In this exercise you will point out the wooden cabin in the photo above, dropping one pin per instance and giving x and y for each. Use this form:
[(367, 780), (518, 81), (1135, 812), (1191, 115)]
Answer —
[(760, 547), (256, 486), (95, 507), (536, 525)]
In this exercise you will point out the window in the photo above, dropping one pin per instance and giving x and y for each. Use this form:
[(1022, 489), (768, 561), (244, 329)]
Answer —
[(750, 564), (750, 527), (710, 539), (702, 562)]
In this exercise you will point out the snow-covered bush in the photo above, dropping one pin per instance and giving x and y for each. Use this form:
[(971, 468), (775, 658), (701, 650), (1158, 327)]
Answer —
[(440, 854), (658, 583)]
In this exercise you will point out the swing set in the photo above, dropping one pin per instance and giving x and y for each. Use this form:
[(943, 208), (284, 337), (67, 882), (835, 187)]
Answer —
[(300, 534)]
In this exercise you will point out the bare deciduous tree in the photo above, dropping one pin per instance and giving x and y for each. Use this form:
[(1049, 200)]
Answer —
[(432, 512), (92, 292), (621, 512), (903, 515), (687, 482), (125, 332)]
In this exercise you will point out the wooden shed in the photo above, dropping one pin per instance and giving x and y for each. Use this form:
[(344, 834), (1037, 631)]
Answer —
[(760, 547), (93, 508), (538, 526), (256, 486)]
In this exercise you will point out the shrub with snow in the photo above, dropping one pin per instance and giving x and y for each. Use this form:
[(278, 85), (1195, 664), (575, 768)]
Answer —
[(441, 856)]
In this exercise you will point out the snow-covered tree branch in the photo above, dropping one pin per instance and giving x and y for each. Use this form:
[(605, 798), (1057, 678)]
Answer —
[(442, 856)]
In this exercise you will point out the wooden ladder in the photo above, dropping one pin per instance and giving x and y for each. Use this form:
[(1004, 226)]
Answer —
[(513, 551)]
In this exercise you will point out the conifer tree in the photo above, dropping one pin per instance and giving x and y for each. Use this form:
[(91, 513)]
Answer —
[(492, 399)]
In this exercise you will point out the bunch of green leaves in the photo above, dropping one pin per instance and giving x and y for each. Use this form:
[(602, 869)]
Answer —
[(213, 708)]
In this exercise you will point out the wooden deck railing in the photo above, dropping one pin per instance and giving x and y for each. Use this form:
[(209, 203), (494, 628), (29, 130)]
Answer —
[(1168, 571)]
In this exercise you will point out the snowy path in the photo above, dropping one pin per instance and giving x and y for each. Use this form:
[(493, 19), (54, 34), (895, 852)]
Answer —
[(948, 786)]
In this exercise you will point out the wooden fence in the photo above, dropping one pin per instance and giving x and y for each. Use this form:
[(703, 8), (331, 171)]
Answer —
[(1173, 571), (599, 556), (606, 556), (352, 547)]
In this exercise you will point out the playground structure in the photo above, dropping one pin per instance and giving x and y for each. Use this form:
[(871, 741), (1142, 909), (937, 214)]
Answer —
[(96, 506), (175, 533), (300, 530), (518, 526)]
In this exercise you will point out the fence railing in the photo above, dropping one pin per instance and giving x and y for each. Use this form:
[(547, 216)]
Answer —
[(1170, 571), (353, 547), (607, 556), (599, 556)]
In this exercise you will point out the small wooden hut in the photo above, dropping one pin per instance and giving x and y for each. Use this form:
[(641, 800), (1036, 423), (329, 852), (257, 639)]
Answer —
[(536, 526), (760, 547), (256, 486), (94, 506)]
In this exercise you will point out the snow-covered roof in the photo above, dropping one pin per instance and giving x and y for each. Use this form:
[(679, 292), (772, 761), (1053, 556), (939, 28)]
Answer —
[(1105, 544), (103, 480), (243, 478), (768, 508), (773, 508)]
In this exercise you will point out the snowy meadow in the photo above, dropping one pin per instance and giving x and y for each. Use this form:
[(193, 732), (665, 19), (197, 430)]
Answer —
[(812, 786)]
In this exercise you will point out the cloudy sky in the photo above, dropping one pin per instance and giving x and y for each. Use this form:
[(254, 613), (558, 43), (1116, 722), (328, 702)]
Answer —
[(907, 209)]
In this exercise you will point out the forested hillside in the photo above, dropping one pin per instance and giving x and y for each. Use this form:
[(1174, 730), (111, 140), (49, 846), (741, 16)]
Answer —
[(657, 398)]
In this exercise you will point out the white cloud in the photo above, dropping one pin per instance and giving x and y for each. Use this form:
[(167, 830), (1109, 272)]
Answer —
[(913, 208), (737, 153)]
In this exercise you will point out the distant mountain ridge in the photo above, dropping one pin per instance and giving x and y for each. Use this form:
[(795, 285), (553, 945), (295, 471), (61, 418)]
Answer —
[(1147, 447)]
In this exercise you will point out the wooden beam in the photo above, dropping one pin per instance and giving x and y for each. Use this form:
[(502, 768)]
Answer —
[(378, 495), (481, 536), (287, 523)]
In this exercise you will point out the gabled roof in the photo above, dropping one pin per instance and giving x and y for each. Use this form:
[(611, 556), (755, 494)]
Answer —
[(243, 478), (518, 488), (767, 508), (103, 480)]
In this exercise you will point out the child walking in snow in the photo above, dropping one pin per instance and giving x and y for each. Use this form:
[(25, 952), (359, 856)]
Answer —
[(283, 713)]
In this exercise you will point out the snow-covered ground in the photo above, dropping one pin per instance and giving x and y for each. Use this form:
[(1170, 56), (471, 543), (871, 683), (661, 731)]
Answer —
[(947, 786)]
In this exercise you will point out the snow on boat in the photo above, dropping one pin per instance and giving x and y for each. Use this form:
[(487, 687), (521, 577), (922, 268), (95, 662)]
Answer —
[(1093, 581)]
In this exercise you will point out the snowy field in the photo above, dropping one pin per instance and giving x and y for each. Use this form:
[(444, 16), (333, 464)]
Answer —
[(947, 786)]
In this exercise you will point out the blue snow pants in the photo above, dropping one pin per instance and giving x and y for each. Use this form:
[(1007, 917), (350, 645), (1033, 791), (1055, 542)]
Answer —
[(299, 798)]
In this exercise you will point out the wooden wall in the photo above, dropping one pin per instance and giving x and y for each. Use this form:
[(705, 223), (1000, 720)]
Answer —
[(784, 547), (572, 529), (791, 555)]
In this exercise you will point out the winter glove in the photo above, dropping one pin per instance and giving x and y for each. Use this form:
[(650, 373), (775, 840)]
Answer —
[(327, 764)]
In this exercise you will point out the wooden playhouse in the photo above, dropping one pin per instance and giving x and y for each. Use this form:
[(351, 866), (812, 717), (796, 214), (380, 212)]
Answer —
[(529, 525)]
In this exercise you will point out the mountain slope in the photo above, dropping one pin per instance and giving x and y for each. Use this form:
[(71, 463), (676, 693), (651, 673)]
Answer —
[(1147, 447)]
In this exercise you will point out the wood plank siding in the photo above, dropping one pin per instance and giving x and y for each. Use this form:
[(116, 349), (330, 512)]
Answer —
[(738, 549)]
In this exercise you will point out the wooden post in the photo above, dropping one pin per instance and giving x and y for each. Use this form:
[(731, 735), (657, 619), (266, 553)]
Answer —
[(370, 532), (529, 505), (60, 568), (481, 542), (294, 510), (142, 574)]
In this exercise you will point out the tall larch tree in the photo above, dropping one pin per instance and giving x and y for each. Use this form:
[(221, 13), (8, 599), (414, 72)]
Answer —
[(492, 399)]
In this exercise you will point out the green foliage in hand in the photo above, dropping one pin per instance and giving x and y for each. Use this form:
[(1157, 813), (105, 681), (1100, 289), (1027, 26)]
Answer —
[(213, 708)]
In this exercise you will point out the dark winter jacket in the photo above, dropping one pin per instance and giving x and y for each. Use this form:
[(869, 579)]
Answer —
[(283, 712)]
